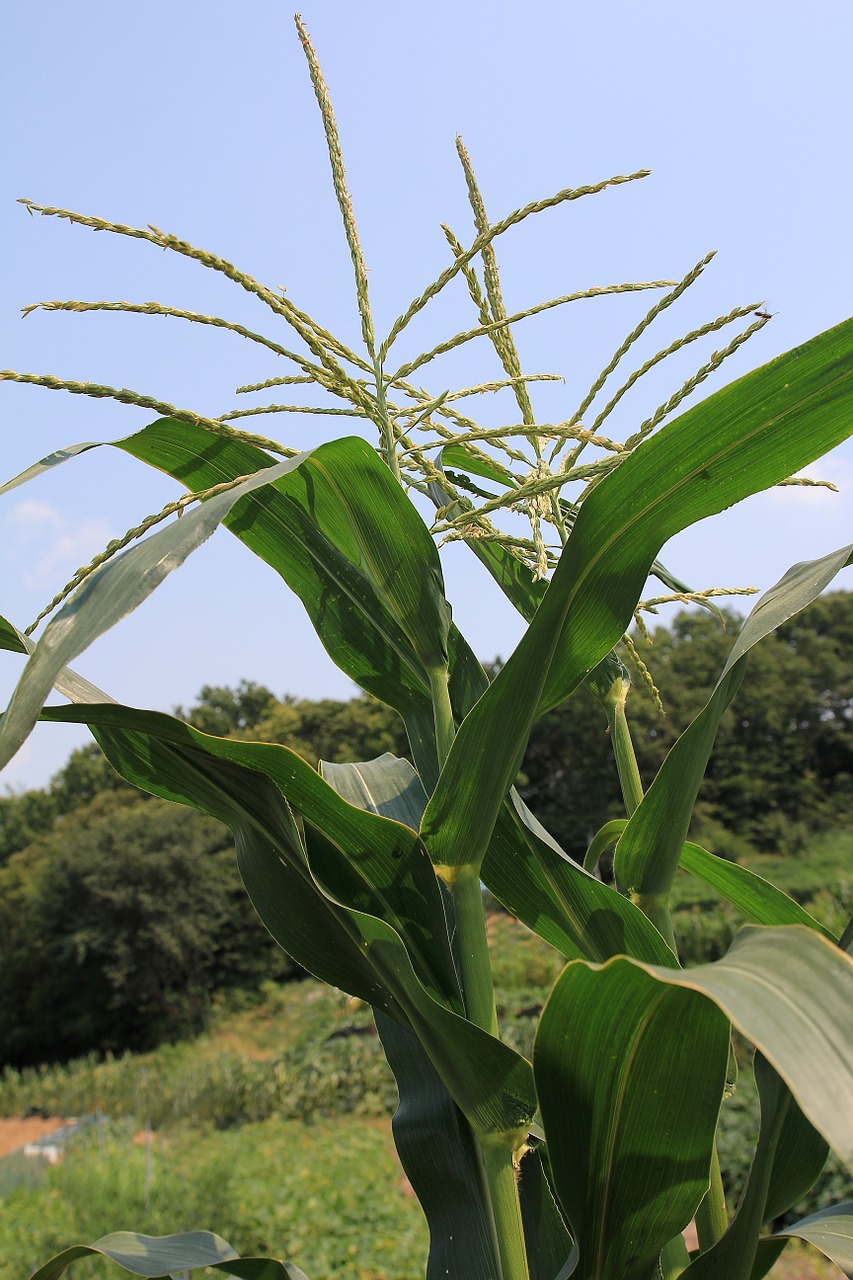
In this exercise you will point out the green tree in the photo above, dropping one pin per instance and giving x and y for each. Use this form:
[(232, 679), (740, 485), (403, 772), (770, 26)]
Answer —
[(116, 929), (230, 712)]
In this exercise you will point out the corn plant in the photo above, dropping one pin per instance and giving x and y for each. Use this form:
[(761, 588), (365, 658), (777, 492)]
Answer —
[(591, 1160)]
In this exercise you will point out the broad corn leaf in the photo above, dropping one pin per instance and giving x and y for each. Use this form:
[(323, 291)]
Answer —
[(758, 901), (788, 1159), (790, 992), (830, 1231), (745, 438), (630, 1076), (356, 900)]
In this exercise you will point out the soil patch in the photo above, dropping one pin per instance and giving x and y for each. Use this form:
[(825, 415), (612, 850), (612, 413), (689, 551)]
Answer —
[(16, 1132)]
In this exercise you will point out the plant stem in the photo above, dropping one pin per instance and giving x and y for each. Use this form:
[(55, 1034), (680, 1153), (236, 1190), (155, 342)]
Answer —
[(654, 906), (712, 1219), (473, 948), (503, 1187), (479, 995), (442, 711), (626, 760)]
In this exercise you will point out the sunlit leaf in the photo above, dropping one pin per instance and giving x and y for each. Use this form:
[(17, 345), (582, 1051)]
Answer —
[(743, 439)]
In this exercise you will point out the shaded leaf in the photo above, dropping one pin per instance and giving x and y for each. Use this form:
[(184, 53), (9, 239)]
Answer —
[(787, 1161), (790, 992), (531, 875), (630, 1077), (551, 1252), (345, 940)]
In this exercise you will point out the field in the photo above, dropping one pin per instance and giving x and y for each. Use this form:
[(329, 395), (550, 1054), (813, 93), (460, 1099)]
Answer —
[(273, 1128)]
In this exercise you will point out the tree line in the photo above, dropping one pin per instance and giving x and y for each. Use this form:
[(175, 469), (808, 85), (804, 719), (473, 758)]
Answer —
[(122, 916)]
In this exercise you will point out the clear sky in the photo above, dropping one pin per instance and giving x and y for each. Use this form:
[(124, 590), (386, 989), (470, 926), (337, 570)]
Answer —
[(201, 120)]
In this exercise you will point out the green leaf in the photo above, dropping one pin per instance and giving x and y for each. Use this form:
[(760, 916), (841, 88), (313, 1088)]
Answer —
[(12, 639), (158, 1256), (743, 439), (52, 460), (630, 1076), (787, 1161), (767, 1254), (831, 1231), (605, 838), (387, 786), (535, 880), (439, 1154), (109, 595), (345, 539), (790, 992), (756, 898), (649, 849), (359, 905), (525, 869), (800, 1158)]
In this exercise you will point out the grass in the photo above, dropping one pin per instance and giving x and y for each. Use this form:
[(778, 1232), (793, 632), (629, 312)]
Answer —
[(328, 1196)]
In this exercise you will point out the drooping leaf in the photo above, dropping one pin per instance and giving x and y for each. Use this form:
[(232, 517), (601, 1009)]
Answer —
[(790, 992), (743, 439), (531, 875), (326, 903), (158, 1256), (12, 639), (831, 1231), (109, 595), (759, 901), (524, 868), (630, 1076), (345, 539), (438, 1152), (649, 849)]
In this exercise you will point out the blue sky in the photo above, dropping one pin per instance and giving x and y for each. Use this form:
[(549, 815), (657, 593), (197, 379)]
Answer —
[(203, 123)]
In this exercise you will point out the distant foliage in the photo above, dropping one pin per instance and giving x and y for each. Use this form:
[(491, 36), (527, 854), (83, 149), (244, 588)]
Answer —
[(117, 927)]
